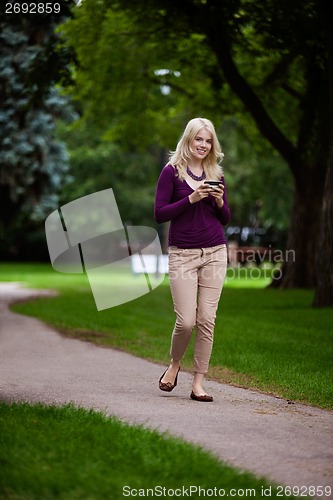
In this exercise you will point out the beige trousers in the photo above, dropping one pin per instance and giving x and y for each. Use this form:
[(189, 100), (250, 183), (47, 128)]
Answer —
[(196, 280)]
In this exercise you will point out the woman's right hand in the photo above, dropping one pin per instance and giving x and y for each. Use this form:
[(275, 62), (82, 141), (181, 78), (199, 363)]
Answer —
[(201, 192)]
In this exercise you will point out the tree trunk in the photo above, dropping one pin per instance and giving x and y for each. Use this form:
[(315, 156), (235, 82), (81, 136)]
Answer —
[(298, 270), (324, 261)]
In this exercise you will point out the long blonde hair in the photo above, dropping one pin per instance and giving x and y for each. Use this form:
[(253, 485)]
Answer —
[(180, 158)]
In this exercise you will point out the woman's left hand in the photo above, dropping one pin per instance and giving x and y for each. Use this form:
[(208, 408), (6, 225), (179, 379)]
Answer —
[(217, 193)]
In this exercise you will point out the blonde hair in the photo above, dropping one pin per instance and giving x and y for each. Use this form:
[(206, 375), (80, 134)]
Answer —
[(180, 158)]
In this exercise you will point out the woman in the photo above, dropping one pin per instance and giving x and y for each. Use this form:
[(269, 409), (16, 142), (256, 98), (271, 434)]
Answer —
[(197, 246)]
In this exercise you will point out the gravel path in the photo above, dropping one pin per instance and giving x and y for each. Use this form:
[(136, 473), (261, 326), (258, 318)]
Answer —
[(290, 444)]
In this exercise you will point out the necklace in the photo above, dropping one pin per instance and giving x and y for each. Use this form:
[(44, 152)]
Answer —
[(196, 177)]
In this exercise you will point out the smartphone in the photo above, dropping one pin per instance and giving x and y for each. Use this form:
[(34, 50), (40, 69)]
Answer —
[(214, 184)]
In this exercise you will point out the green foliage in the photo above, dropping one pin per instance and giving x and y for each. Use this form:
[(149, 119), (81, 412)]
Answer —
[(119, 102), (136, 85), (97, 164), (259, 184)]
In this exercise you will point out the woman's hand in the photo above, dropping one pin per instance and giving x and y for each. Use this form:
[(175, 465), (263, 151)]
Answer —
[(217, 193), (201, 192), (204, 190)]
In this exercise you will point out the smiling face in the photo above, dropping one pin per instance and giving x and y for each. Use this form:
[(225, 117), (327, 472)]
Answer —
[(201, 144)]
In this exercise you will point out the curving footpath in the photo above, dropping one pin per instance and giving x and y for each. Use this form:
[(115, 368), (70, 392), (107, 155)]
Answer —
[(289, 444)]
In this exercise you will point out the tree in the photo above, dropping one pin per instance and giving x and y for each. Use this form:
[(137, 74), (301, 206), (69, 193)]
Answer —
[(33, 162), (289, 102), (273, 57), (133, 99), (96, 164), (124, 77)]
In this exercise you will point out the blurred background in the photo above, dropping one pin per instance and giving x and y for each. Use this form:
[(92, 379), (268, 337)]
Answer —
[(95, 96)]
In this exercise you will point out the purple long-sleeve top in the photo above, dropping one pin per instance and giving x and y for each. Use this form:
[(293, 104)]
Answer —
[(197, 225)]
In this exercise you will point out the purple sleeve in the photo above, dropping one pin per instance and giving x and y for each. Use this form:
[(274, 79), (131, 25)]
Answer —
[(223, 214), (164, 210)]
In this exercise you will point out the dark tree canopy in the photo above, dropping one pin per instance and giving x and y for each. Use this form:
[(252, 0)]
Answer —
[(33, 162)]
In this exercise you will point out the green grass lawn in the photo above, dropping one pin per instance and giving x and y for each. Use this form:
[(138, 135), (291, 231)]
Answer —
[(265, 339), (68, 453), (269, 340)]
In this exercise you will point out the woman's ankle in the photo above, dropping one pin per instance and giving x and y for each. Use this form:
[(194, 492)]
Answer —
[(175, 364), (197, 384)]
